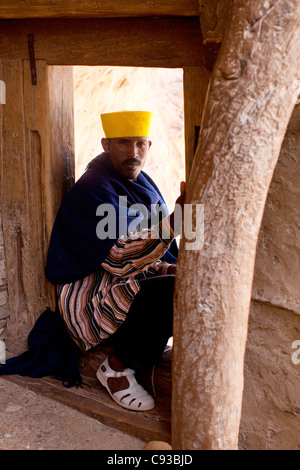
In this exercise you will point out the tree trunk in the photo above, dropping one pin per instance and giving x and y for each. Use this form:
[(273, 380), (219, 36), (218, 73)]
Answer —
[(253, 90)]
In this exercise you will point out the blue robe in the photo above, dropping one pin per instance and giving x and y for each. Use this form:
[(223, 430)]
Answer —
[(75, 251)]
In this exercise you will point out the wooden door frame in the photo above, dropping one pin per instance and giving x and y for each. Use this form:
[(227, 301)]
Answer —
[(166, 43)]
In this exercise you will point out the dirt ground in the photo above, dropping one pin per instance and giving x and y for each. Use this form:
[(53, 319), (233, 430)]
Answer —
[(32, 422)]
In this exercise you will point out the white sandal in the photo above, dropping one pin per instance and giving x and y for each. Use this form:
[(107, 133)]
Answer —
[(135, 397)]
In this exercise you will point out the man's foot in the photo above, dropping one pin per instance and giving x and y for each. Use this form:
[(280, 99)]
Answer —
[(122, 386)]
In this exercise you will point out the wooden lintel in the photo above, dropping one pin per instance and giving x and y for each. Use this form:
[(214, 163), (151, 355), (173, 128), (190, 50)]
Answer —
[(97, 9), (141, 42)]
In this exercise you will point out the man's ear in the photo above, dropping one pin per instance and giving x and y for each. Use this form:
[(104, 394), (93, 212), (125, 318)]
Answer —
[(149, 144), (105, 144)]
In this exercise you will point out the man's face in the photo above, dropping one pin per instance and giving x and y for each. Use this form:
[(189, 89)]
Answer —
[(128, 154)]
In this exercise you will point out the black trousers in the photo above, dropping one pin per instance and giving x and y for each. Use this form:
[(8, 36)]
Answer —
[(140, 341)]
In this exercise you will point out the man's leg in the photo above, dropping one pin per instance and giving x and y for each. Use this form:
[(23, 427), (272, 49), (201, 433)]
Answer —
[(140, 341)]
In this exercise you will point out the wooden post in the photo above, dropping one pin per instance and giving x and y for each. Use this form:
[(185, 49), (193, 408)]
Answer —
[(59, 171), (253, 90), (29, 198), (143, 42), (90, 9)]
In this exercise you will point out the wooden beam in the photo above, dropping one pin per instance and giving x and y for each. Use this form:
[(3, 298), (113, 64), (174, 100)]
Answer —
[(195, 84), (141, 42), (93, 400), (96, 9)]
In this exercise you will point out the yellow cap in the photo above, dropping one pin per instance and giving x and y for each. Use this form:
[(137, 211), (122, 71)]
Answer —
[(126, 124)]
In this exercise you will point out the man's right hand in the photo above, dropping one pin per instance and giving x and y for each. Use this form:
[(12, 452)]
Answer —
[(180, 200)]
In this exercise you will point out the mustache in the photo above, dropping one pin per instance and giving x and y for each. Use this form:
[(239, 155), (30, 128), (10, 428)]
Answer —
[(131, 161)]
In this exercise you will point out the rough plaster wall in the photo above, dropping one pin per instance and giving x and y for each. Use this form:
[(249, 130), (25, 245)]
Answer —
[(277, 270), (271, 403), (4, 310)]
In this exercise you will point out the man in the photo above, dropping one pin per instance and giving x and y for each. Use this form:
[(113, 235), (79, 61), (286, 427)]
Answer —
[(114, 285)]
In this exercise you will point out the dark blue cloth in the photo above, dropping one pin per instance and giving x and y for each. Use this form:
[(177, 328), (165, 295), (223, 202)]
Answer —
[(75, 250), (51, 352)]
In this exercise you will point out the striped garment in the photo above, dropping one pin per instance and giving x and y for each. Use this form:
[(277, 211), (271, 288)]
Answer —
[(94, 307)]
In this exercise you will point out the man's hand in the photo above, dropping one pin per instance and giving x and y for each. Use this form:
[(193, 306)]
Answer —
[(180, 200), (175, 217)]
